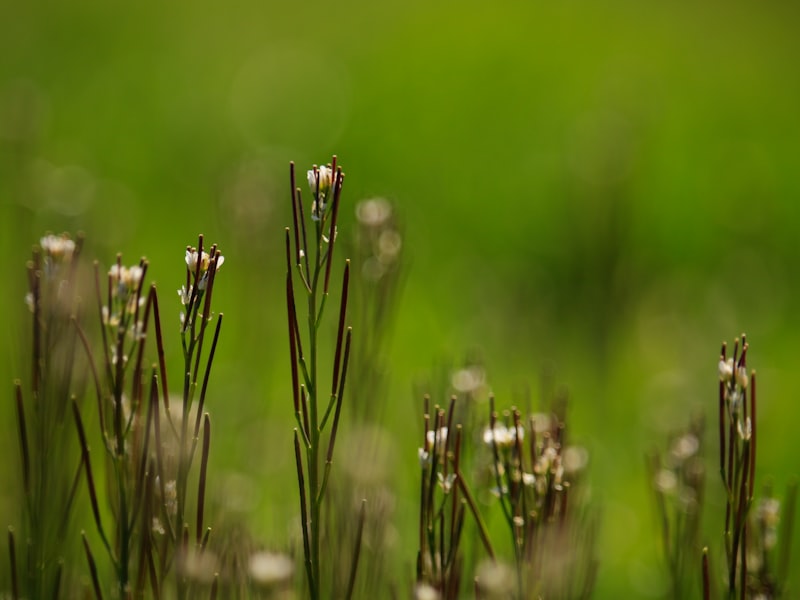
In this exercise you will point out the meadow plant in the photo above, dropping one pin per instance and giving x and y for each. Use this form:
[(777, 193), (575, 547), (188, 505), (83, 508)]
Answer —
[(537, 479), (678, 482), (37, 550), (756, 553), (444, 501), (756, 537), (309, 265), (149, 445)]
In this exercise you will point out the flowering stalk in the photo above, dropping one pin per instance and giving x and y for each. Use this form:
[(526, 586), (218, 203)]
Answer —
[(534, 481), (755, 553), (444, 501), (678, 481), (124, 316), (54, 305), (737, 411), (149, 500), (309, 266)]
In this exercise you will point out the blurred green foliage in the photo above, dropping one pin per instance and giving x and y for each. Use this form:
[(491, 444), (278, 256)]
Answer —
[(604, 190)]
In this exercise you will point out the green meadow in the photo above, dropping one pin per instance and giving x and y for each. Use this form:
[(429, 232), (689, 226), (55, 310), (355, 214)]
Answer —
[(591, 197)]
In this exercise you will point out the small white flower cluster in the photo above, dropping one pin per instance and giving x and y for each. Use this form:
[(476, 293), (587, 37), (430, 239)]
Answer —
[(197, 265), (502, 436), (726, 373), (205, 261), (57, 249), (433, 437), (125, 283), (320, 180)]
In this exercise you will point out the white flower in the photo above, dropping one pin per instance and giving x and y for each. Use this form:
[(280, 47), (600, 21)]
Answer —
[(192, 258), (725, 368), (741, 377), (125, 281), (439, 438), (446, 483), (745, 429), (324, 176), (57, 247), (204, 258), (424, 457), (502, 436)]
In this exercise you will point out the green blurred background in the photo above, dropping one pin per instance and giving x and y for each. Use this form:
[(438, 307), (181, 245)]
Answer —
[(604, 191)]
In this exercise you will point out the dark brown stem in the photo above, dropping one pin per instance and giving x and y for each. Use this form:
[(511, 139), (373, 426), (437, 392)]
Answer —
[(303, 511), (201, 486), (340, 395), (162, 363), (340, 332), (752, 434), (98, 594), (206, 375), (337, 190), (290, 306), (351, 582), (12, 559), (294, 214), (23, 439)]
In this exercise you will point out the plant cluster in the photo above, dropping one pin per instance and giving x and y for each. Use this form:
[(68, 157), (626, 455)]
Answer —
[(756, 533), (504, 505), (535, 478)]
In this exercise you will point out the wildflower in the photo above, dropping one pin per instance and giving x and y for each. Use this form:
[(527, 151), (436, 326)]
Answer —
[(741, 377), (502, 436), (204, 258), (319, 181), (725, 369), (424, 457), (57, 249), (125, 281), (744, 428), (436, 437), (446, 483)]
